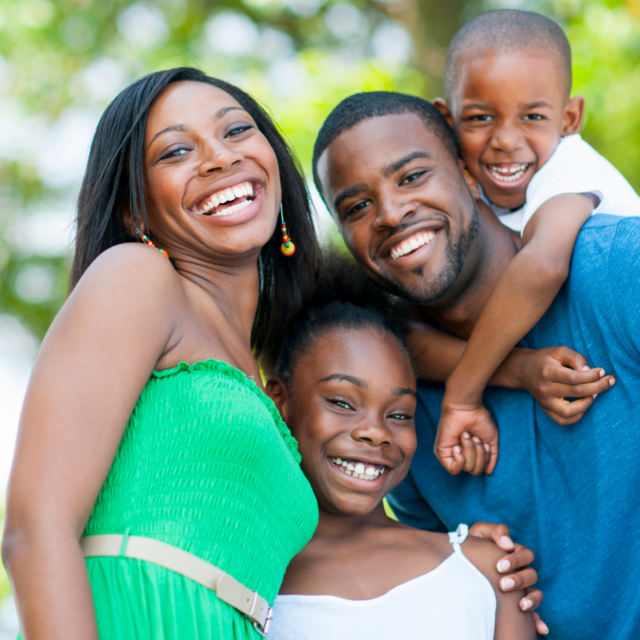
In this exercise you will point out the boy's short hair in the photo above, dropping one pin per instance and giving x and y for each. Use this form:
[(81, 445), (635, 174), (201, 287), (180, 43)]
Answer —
[(504, 31), (373, 104)]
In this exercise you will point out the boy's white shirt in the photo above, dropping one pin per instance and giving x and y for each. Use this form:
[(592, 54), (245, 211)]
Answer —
[(574, 167)]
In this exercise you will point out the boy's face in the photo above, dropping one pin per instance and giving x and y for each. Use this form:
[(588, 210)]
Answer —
[(350, 405), (509, 111)]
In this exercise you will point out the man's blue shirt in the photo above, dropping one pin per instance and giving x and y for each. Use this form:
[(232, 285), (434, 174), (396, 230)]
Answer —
[(570, 493)]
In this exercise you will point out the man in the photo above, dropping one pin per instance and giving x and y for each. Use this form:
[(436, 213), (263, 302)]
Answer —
[(387, 167)]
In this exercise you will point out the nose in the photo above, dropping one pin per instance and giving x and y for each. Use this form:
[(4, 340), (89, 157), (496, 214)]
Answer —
[(372, 431), (217, 156), (507, 138), (392, 211)]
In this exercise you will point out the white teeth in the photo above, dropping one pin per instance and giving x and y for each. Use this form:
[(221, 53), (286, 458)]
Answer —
[(227, 195), (508, 173), (412, 243), (232, 209), (359, 470)]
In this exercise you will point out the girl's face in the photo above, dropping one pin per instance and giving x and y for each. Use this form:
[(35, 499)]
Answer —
[(350, 404), (212, 179)]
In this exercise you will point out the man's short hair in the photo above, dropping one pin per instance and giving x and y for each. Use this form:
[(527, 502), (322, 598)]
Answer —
[(363, 106), (505, 31)]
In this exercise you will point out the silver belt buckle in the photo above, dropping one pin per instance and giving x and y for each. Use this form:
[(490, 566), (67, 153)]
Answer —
[(267, 623)]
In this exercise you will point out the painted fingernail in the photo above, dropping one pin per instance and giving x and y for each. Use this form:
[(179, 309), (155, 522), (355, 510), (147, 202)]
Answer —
[(503, 565), (487, 447), (601, 372), (507, 583), (595, 395), (527, 604), (585, 368), (544, 633), (613, 381), (466, 435), (457, 449), (507, 541), (476, 439)]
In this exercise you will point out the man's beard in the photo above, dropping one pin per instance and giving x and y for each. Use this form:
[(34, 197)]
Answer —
[(438, 286)]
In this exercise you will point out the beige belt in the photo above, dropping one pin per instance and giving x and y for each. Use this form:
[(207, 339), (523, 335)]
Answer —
[(227, 588)]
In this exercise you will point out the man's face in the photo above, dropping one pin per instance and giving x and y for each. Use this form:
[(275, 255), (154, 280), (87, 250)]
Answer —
[(403, 206)]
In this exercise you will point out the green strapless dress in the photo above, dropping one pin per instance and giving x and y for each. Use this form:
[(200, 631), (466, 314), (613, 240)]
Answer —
[(205, 464)]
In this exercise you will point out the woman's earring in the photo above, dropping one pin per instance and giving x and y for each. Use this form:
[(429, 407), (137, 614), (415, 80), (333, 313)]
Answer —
[(145, 238), (287, 247)]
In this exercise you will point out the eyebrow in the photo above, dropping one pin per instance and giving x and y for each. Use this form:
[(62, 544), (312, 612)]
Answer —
[(483, 105), (349, 193), (343, 377), (390, 169), (404, 391), (220, 113), (537, 105)]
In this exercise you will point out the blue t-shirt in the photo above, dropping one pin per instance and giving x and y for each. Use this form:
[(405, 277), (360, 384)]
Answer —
[(570, 493)]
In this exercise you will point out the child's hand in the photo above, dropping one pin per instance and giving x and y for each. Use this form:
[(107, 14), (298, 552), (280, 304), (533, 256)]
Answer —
[(467, 440), (553, 374)]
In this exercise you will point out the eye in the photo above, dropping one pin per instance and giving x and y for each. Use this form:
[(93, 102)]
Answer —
[(413, 176), (534, 117), (481, 117), (339, 402), (400, 416), (175, 153), (238, 130), (359, 206)]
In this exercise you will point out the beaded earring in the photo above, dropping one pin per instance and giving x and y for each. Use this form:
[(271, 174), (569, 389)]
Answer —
[(145, 238), (287, 247)]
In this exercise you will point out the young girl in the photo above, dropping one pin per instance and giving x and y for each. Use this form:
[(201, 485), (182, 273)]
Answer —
[(346, 386)]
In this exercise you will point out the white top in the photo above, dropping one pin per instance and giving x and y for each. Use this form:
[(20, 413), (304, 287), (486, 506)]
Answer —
[(452, 602), (574, 167)]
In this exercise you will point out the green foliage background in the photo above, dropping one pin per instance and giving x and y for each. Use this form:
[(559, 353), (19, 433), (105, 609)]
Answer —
[(56, 58)]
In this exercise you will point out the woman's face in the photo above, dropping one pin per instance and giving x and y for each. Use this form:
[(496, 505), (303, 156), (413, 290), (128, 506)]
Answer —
[(350, 404), (212, 183)]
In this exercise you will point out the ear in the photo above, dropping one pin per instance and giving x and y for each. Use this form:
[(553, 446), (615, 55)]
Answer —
[(470, 180), (277, 391), (573, 116), (441, 105), (129, 223)]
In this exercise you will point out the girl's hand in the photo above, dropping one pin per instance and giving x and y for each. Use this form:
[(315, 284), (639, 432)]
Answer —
[(554, 374), (516, 565), (467, 440)]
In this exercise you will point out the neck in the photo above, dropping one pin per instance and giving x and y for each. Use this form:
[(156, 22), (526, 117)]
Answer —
[(495, 247), (331, 525), (233, 286)]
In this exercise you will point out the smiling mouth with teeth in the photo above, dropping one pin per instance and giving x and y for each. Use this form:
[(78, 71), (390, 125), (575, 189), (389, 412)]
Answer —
[(359, 469), (411, 244), (508, 172), (226, 201)]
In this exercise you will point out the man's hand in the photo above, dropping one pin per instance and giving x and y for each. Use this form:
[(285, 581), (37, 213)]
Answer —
[(554, 374), (516, 563), (467, 440)]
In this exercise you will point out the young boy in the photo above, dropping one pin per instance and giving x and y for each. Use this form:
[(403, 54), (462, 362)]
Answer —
[(508, 82)]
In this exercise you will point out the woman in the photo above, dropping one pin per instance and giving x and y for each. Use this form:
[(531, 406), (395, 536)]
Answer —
[(145, 429)]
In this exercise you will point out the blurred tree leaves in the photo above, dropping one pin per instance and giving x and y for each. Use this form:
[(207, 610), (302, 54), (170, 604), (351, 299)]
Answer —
[(61, 62)]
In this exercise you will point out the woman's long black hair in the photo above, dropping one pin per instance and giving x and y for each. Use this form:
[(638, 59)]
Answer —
[(114, 182)]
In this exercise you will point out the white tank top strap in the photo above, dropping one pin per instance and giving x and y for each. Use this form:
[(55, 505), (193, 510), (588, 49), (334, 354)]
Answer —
[(457, 537)]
